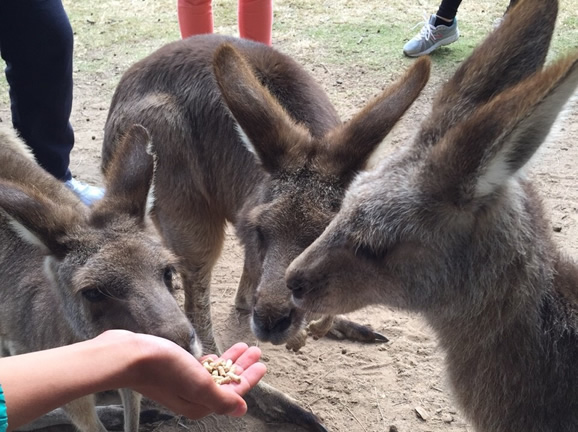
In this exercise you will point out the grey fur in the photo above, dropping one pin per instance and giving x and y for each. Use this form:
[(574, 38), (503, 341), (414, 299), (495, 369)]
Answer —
[(451, 228), (68, 273), (244, 135)]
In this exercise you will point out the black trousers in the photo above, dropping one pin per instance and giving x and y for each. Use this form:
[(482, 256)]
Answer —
[(449, 8), (36, 42)]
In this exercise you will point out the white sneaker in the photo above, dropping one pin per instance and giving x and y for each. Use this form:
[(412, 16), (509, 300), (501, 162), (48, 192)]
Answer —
[(431, 37), (87, 194)]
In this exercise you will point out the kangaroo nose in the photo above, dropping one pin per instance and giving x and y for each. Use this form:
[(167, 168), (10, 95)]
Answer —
[(298, 285), (282, 324), (188, 341), (273, 325)]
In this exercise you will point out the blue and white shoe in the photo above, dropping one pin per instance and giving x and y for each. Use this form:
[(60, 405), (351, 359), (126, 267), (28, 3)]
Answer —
[(87, 194), (431, 37)]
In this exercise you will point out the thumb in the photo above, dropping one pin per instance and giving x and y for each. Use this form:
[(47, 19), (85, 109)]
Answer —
[(240, 410), (228, 403)]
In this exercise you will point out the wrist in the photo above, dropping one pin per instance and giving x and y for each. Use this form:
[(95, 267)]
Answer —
[(138, 356), (127, 353)]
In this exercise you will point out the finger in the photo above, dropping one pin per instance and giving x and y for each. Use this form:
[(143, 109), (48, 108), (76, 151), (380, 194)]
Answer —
[(254, 373), (251, 376), (229, 403), (249, 357), (240, 411), (235, 351), (191, 410), (249, 379), (220, 400)]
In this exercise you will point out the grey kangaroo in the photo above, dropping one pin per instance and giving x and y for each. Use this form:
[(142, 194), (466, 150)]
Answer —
[(243, 134), (450, 227), (68, 273)]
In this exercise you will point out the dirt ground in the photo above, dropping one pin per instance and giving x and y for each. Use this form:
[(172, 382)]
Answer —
[(350, 386)]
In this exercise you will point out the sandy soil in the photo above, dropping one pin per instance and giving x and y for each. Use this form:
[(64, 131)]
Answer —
[(350, 386)]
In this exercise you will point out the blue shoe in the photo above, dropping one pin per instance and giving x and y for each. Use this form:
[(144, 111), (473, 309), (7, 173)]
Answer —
[(87, 194), (431, 37)]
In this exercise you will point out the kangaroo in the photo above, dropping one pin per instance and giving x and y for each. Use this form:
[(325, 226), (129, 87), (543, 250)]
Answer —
[(450, 227), (68, 273), (244, 135)]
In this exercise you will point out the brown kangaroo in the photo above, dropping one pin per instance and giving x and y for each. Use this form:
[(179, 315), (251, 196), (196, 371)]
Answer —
[(244, 135), (450, 227), (68, 273)]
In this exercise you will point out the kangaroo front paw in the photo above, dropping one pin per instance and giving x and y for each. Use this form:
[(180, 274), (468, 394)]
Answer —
[(298, 341), (319, 328)]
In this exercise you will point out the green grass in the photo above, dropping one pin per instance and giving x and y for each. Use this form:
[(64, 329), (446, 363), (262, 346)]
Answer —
[(110, 35)]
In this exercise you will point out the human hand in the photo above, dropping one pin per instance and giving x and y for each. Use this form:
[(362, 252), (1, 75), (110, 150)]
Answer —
[(174, 378), (247, 367)]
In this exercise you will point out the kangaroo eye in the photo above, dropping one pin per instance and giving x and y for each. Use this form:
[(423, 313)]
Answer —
[(367, 252), (93, 295), (168, 276)]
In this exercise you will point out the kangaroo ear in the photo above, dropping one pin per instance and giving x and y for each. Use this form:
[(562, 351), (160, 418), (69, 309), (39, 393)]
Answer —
[(480, 155), (20, 168), (511, 53), (263, 124), (129, 178), (39, 221), (352, 144)]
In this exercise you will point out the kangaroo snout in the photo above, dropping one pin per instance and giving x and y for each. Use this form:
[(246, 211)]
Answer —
[(271, 326), (298, 284), (195, 347), (187, 339)]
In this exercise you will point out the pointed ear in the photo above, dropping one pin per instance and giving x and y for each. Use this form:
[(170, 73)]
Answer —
[(20, 167), (480, 155), (511, 53), (352, 144), (38, 220), (265, 127), (129, 178)]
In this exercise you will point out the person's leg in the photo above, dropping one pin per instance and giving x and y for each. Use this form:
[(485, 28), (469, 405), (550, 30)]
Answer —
[(256, 20), (447, 12), (36, 42), (440, 29), (195, 17)]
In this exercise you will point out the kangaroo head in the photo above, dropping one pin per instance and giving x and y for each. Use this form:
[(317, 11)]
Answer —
[(107, 265), (450, 219), (307, 173)]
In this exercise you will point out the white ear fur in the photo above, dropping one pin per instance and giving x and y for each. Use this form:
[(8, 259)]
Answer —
[(151, 195), (25, 234), (496, 174), (49, 269), (247, 142), (526, 138)]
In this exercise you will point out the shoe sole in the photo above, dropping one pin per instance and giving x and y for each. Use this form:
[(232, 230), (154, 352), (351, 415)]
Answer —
[(435, 46)]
